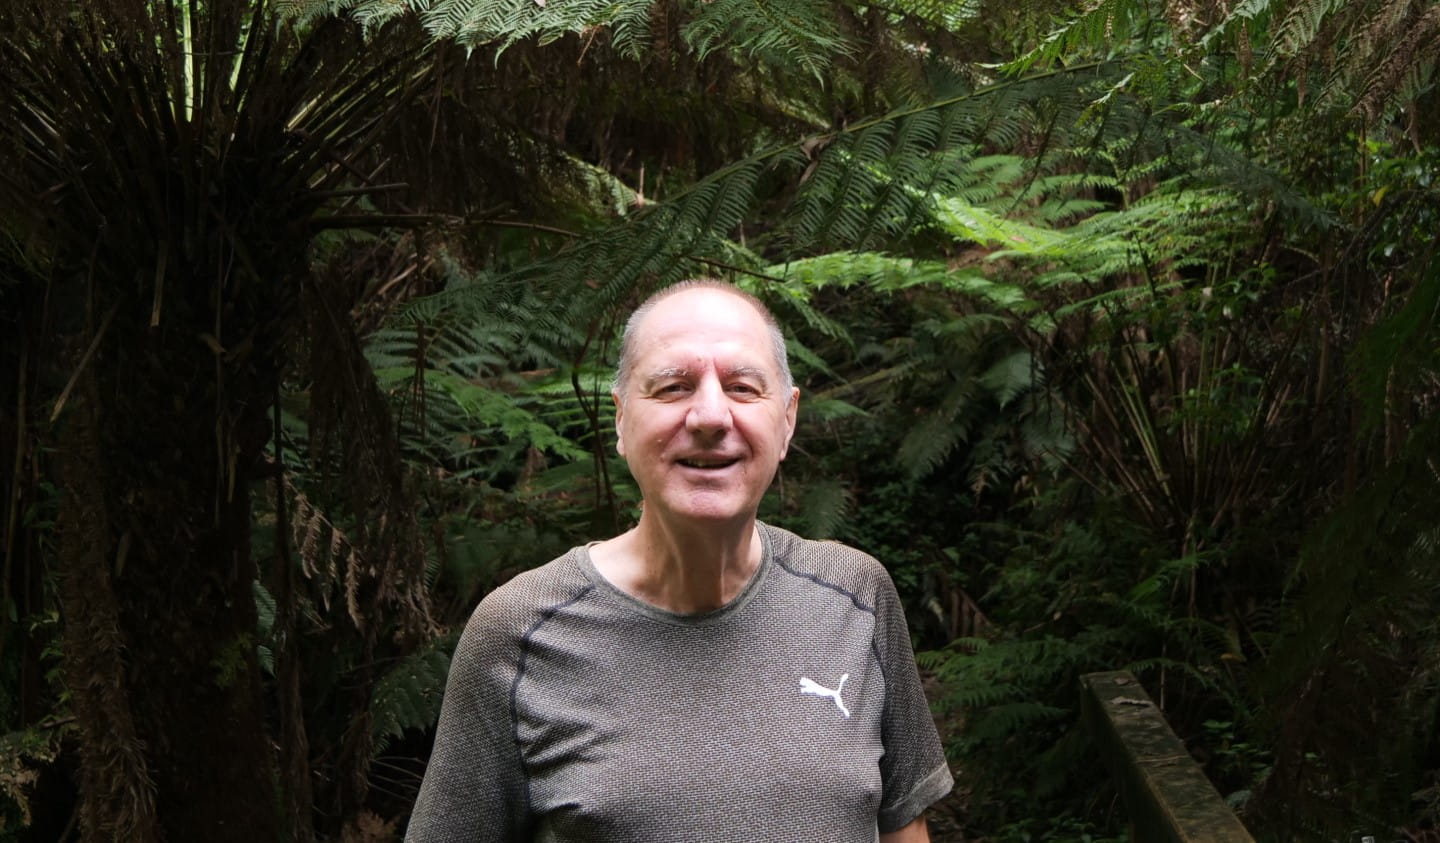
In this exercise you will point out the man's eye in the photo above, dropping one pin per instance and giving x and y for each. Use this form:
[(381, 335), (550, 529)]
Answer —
[(744, 389)]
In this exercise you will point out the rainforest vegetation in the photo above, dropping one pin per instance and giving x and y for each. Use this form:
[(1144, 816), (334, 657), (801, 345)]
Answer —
[(1117, 325)]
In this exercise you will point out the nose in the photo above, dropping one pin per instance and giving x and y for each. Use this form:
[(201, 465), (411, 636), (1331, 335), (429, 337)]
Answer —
[(709, 411)]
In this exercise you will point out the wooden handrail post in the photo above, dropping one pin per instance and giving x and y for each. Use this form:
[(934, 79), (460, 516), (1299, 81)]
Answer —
[(1166, 794)]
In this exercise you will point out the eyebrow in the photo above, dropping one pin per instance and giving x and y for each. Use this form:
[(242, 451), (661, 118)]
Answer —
[(667, 372), (755, 372), (748, 372)]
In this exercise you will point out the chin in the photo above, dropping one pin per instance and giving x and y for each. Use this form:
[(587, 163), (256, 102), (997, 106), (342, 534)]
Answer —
[(712, 512)]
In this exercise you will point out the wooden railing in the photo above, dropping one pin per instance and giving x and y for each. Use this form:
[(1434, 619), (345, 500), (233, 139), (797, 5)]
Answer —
[(1167, 796)]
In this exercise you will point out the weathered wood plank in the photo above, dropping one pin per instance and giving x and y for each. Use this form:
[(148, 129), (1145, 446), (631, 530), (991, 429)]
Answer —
[(1166, 794)]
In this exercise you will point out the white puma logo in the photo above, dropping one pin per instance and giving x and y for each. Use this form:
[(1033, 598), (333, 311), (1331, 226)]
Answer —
[(809, 686)]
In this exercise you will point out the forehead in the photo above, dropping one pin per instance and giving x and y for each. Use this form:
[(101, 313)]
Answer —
[(704, 322)]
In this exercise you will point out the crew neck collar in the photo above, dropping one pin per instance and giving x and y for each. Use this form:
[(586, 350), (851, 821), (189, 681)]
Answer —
[(708, 618)]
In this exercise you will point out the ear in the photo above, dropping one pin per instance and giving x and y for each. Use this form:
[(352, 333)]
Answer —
[(619, 415), (790, 412)]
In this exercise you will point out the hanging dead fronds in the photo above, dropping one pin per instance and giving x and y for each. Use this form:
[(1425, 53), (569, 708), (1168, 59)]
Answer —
[(380, 564)]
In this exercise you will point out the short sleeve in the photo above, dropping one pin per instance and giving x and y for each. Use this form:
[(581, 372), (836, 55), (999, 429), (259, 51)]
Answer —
[(474, 786), (913, 769)]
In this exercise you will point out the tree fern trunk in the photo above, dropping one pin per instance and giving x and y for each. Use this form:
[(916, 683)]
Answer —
[(117, 793), (157, 591)]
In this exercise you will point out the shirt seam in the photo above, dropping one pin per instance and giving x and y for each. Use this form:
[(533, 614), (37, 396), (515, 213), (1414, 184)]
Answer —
[(859, 604), (544, 618), (852, 596)]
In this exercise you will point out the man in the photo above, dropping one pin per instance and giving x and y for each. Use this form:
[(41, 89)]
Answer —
[(704, 676)]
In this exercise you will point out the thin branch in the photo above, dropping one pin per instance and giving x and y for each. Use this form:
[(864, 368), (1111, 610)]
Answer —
[(342, 221), (84, 359)]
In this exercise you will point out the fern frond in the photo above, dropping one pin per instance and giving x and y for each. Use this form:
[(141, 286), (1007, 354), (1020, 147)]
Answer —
[(949, 15), (987, 228), (408, 696), (1010, 376), (1000, 721), (1301, 24), (1245, 15), (930, 441), (1401, 62), (505, 22), (802, 32), (264, 623), (825, 506), (1088, 34), (884, 273)]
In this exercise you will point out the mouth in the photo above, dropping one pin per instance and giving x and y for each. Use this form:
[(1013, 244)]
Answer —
[(708, 463)]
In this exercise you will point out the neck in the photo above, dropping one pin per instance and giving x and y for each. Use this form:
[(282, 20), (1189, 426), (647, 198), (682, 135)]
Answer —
[(678, 569)]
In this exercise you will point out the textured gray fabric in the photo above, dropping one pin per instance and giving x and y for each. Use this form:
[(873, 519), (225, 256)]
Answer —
[(575, 712)]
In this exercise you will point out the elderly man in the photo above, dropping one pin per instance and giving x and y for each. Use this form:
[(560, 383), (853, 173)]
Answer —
[(703, 677)]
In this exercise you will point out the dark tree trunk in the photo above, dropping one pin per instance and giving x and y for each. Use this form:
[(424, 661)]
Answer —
[(117, 794), (157, 587)]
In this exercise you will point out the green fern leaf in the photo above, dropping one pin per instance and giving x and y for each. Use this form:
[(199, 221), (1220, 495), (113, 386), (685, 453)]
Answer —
[(408, 696), (802, 32)]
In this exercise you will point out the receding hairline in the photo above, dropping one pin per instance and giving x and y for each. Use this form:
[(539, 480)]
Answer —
[(623, 369)]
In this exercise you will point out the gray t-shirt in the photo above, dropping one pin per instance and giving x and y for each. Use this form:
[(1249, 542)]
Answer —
[(575, 712)]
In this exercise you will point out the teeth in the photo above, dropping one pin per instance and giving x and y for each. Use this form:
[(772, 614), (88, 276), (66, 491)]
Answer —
[(706, 463)]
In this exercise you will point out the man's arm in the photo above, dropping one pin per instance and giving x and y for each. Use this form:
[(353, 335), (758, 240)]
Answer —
[(913, 767), (473, 788), (915, 832)]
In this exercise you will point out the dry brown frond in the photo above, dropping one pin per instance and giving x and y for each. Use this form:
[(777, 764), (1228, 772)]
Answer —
[(1406, 59)]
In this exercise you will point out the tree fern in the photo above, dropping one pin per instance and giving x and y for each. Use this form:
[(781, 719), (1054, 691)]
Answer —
[(846, 194)]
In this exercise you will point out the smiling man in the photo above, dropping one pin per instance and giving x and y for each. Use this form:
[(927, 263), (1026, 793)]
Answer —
[(703, 676)]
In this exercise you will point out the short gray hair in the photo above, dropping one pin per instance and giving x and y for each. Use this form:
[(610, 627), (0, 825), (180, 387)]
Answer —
[(627, 343)]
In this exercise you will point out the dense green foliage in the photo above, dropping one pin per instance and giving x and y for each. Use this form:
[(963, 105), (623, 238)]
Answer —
[(1117, 327)]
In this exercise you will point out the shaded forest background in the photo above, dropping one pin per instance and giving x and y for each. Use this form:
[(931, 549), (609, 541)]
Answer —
[(1116, 327)]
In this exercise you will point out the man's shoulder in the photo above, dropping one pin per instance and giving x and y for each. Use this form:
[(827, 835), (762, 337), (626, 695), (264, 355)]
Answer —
[(838, 566), (523, 600)]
